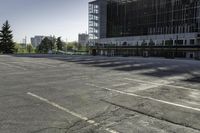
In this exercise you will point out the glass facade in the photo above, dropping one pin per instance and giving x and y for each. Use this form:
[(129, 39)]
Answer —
[(152, 17), (94, 20), (97, 19)]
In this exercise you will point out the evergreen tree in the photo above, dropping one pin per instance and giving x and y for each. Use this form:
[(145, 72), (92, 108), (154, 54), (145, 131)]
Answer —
[(29, 48), (59, 44), (53, 44), (45, 46), (7, 45)]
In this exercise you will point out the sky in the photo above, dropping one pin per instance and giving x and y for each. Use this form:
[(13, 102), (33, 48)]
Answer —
[(65, 18)]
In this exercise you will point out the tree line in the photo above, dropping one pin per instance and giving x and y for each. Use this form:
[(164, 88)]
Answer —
[(48, 44), (7, 45), (53, 44)]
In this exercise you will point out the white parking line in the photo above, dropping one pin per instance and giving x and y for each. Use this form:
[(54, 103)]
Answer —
[(13, 66), (39, 63), (145, 97), (159, 84), (144, 81), (35, 63), (141, 87), (70, 112), (118, 85)]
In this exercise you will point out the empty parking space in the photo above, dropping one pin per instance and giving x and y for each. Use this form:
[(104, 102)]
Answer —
[(99, 94)]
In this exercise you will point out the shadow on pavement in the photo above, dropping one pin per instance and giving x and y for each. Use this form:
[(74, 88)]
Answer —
[(153, 67)]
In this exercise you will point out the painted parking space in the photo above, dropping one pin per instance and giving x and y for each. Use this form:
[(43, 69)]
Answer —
[(120, 94)]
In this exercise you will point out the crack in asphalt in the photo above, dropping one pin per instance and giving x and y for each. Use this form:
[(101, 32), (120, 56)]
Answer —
[(152, 116)]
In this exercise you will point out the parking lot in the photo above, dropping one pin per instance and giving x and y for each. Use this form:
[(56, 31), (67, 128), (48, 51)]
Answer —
[(86, 94)]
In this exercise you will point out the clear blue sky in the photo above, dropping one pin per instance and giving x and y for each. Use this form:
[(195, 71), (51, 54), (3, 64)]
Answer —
[(65, 18)]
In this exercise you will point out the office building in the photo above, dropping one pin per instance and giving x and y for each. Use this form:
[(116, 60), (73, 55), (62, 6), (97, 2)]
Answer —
[(83, 39), (35, 41), (169, 28)]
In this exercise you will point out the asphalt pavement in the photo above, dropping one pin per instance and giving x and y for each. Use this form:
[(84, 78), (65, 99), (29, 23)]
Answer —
[(87, 94)]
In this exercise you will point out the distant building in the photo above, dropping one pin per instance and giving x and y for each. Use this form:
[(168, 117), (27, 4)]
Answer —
[(35, 41), (83, 39)]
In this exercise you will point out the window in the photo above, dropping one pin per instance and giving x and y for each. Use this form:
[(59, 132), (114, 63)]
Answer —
[(192, 42)]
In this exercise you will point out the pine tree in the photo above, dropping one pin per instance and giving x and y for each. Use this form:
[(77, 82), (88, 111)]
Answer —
[(7, 45), (29, 48), (53, 44), (59, 44), (45, 46)]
